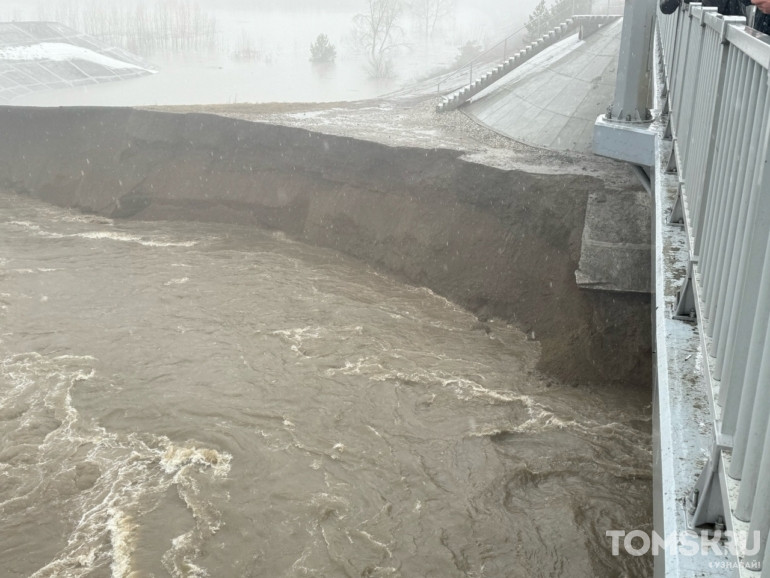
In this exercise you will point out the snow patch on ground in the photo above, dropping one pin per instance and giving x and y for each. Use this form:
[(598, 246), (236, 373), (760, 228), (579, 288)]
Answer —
[(60, 51)]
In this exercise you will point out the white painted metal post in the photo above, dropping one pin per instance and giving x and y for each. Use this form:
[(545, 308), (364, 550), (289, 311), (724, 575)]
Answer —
[(745, 272), (734, 245), (750, 356), (757, 441), (689, 95), (632, 87), (706, 192), (715, 231), (719, 156), (624, 132), (760, 512)]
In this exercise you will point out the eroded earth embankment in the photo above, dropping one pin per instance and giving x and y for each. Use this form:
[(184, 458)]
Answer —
[(503, 243)]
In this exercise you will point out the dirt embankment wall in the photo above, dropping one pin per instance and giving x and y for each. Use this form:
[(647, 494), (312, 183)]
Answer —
[(501, 243)]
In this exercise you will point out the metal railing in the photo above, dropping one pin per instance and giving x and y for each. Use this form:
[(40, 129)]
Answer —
[(719, 97), (492, 56), (586, 24), (502, 50)]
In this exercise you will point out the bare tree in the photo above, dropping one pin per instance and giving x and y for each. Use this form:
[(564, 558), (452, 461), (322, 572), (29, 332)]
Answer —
[(377, 31), (141, 27), (430, 14), (538, 21)]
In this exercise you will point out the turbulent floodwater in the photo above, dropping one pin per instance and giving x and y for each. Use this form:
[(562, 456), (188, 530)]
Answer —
[(205, 400)]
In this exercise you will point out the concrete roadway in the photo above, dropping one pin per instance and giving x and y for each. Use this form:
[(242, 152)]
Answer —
[(553, 100)]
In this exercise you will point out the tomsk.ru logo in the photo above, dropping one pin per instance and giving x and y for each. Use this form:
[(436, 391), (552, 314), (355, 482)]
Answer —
[(639, 543)]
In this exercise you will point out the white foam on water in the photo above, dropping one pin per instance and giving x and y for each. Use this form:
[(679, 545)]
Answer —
[(127, 238), (178, 561), (464, 388), (132, 472), (362, 365), (34, 228), (25, 224), (106, 235), (122, 530), (540, 418), (296, 337), (90, 219), (180, 281), (176, 458)]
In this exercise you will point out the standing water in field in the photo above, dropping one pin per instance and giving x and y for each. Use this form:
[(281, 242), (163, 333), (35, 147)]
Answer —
[(192, 399)]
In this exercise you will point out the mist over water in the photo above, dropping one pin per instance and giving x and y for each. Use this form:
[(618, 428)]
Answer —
[(260, 52), (189, 400)]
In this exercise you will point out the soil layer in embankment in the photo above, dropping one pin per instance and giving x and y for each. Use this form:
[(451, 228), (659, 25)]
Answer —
[(502, 242)]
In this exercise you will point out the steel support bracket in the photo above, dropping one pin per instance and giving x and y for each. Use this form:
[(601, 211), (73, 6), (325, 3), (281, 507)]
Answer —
[(705, 506), (669, 133), (676, 216), (685, 309), (671, 166)]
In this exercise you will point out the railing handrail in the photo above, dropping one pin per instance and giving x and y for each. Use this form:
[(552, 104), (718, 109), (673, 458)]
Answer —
[(486, 56), (753, 44), (718, 89), (478, 58)]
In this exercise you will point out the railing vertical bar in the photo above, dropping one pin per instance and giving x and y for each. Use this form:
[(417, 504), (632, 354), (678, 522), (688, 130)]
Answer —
[(716, 68), (674, 35), (673, 32), (703, 89), (693, 157), (766, 563), (725, 167), (758, 284), (690, 80), (716, 230), (668, 30), (726, 92), (675, 69), (672, 26), (726, 116), (755, 407), (691, 95), (760, 501), (757, 468), (680, 70), (740, 306), (736, 225)]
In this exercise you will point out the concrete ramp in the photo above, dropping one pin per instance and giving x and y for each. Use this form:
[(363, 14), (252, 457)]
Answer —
[(553, 100)]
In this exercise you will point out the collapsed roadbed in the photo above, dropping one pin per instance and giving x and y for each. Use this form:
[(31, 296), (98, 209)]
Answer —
[(501, 237)]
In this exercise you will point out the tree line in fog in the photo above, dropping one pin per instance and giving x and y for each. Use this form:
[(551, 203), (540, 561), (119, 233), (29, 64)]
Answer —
[(380, 30), (547, 15), (151, 27), (144, 28)]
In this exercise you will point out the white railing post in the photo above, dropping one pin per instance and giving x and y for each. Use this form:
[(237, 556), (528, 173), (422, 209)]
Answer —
[(718, 85), (749, 357)]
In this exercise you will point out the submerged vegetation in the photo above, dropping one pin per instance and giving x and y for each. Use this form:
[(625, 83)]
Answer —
[(143, 28), (382, 34), (322, 51)]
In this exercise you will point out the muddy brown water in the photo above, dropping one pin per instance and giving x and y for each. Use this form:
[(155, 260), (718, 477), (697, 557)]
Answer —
[(193, 399)]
